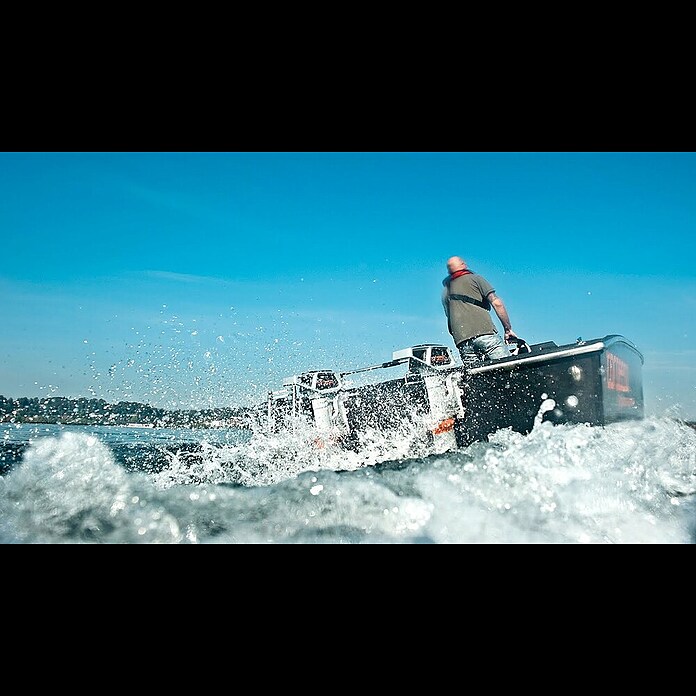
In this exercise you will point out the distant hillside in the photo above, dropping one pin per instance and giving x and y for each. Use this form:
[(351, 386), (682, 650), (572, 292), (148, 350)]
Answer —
[(58, 409)]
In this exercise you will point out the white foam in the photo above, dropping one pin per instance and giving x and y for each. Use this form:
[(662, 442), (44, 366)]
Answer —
[(632, 482), (70, 489)]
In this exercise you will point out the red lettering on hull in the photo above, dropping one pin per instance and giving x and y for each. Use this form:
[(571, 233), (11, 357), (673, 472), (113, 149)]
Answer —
[(617, 374)]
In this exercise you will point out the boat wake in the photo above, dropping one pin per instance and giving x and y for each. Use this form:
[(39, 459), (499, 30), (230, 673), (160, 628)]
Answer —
[(269, 458), (629, 482)]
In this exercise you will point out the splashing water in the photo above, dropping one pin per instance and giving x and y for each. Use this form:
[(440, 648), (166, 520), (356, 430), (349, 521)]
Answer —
[(631, 482), (71, 489), (268, 459)]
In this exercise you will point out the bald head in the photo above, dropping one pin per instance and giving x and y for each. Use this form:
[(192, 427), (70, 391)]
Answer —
[(456, 263)]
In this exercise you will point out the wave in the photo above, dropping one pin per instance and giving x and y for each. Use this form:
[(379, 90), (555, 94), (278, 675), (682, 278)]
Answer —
[(629, 482)]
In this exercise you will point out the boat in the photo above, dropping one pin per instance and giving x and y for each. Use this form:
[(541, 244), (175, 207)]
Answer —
[(596, 381)]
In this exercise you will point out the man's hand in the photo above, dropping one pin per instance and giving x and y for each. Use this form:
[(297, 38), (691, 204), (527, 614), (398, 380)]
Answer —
[(510, 334)]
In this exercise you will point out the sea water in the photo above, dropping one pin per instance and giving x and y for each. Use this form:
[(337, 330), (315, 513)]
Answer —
[(625, 483)]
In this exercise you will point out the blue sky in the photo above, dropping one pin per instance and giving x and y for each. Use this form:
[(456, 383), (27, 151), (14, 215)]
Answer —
[(196, 279)]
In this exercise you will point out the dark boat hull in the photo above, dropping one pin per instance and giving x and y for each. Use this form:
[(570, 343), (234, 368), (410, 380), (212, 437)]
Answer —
[(595, 382)]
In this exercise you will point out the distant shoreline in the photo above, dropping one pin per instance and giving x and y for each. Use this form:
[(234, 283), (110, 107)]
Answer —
[(240, 423), (65, 411)]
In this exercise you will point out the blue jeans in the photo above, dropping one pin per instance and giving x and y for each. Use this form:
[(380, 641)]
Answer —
[(486, 347)]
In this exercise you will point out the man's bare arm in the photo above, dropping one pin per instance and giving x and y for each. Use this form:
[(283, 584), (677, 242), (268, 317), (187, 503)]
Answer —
[(501, 311)]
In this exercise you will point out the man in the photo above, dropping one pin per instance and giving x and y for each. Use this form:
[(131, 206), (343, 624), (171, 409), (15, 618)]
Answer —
[(467, 299)]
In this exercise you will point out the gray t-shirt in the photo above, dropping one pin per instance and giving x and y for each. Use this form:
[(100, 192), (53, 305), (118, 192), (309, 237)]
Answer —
[(467, 320)]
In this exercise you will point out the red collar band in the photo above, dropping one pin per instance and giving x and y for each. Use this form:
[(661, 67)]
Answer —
[(456, 274)]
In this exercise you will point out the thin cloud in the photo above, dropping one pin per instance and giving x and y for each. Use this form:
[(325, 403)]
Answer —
[(187, 278), (176, 202)]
